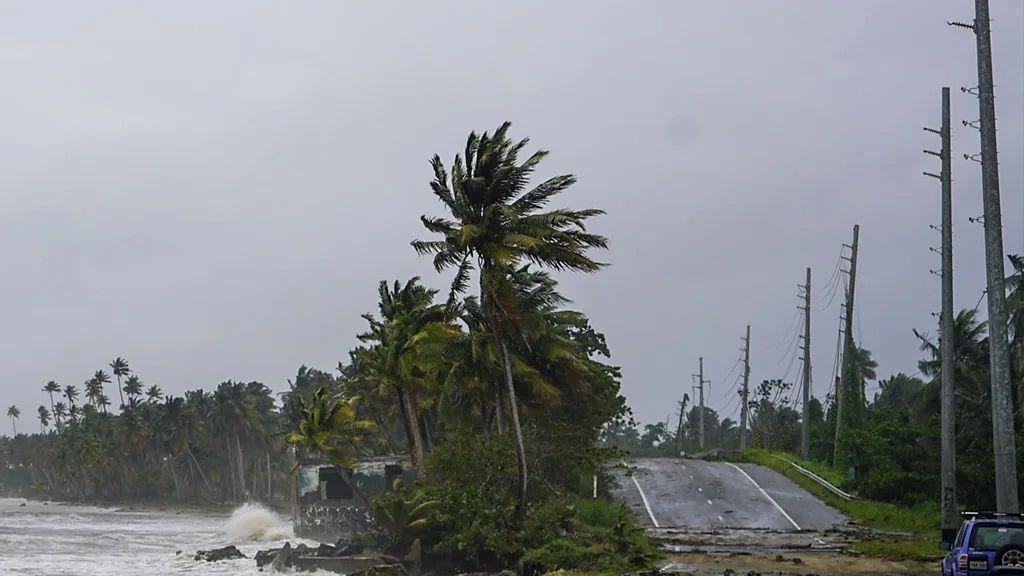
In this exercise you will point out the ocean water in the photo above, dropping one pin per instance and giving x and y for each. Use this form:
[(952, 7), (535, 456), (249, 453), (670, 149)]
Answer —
[(71, 540)]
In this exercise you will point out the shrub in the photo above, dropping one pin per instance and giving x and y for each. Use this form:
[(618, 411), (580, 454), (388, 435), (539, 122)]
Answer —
[(581, 534)]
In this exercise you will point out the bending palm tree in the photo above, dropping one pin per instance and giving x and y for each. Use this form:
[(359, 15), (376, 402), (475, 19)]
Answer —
[(44, 418), (496, 225), (406, 348), (133, 388), (329, 426), (71, 393), (154, 394), (50, 388), (14, 413), (120, 368)]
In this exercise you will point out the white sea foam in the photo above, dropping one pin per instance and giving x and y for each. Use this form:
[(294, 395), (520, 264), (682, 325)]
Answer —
[(254, 523), (65, 540)]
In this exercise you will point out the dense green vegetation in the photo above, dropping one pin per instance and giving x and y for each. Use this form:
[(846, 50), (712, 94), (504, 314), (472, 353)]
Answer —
[(498, 394), (892, 443)]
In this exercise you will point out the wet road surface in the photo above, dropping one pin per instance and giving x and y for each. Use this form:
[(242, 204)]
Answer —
[(668, 492)]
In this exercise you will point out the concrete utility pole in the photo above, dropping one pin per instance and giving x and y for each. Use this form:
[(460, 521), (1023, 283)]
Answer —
[(1004, 444), (950, 521), (701, 382), (746, 390), (846, 386), (805, 431)]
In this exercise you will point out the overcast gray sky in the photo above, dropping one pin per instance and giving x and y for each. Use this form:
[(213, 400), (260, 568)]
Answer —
[(213, 189)]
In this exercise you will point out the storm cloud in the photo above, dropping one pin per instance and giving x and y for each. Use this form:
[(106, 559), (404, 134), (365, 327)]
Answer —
[(212, 190)]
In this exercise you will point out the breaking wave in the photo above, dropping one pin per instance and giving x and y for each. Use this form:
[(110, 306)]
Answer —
[(253, 522)]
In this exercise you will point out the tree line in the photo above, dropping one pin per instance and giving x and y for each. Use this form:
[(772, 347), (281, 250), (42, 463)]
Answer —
[(893, 440), (495, 390)]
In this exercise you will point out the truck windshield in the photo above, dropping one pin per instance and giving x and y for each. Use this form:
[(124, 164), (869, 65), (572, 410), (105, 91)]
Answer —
[(993, 537)]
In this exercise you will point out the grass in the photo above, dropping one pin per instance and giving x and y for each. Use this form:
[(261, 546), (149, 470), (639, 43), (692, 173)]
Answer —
[(918, 523)]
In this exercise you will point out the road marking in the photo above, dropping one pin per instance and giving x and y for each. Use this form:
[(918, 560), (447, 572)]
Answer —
[(643, 497), (770, 499)]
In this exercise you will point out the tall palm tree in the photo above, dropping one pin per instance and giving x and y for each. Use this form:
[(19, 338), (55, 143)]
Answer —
[(406, 347), (50, 388), (970, 362), (101, 378), (60, 411), (235, 415), (496, 224), (14, 413), (154, 394), (133, 388), (71, 393), (93, 389), (120, 368), (44, 418)]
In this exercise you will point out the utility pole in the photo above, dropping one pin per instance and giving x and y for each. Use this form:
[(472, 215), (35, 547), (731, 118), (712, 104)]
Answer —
[(805, 432), (701, 382), (746, 390), (846, 387), (950, 522), (1004, 444)]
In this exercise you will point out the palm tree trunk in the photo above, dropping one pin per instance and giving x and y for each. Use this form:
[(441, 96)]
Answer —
[(499, 409), (119, 391), (412, 430), (188, 450), (232, 483), (241, 468), (517, 430)]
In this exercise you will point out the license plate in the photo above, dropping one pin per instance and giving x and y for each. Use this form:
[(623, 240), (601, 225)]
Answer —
[(978, 565)]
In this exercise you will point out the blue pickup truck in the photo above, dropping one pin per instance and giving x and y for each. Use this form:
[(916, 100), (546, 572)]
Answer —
[(987, 543)]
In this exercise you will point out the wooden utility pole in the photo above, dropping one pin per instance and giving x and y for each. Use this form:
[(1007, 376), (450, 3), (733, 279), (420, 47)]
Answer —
[(701, 382), (805, 429), (746, 390), (950, 521), (845, 386), (1003, 442)]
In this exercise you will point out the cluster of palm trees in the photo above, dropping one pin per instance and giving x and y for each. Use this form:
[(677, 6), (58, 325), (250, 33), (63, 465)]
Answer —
[(200, 446), (61, 413), (497, 360), (505, 360)]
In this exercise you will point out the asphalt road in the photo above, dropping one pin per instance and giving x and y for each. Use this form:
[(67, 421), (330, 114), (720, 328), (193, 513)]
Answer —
[(667, 492)]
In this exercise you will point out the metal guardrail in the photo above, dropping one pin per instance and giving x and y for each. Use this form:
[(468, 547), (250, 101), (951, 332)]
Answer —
[(825, 483)]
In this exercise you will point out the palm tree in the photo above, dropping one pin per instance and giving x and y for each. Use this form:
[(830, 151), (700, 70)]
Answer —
[(93, 389), (1015, 307), (970, 361), (103, 401), (60, 411), (50, 388), (496, 225), (133, 388), (407, 343), (235, 415), (154, 394), (120, 368), (44, 418), (14, 413), (71, 393), (329, 426), (101, 378)]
